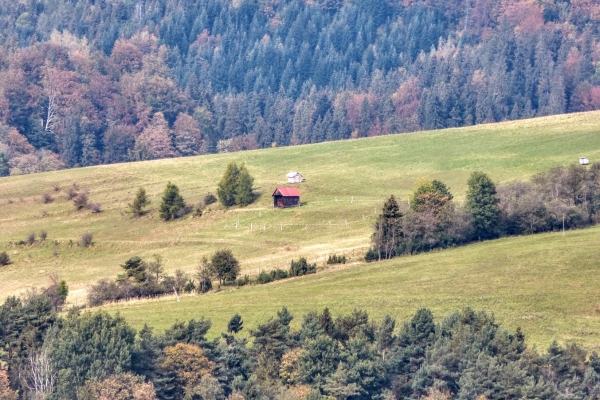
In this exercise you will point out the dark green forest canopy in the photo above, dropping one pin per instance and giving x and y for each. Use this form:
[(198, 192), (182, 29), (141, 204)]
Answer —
[(466, 355), (87, 82)]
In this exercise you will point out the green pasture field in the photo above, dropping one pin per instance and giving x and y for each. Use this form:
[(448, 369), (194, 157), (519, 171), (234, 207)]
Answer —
[(346, 184), (547, 284)]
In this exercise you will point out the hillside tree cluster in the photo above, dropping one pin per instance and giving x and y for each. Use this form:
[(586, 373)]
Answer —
[(556, 199), (466, 355), (86, 82)]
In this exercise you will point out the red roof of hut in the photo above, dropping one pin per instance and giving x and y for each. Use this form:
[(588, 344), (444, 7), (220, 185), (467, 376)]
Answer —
[(286, 192)]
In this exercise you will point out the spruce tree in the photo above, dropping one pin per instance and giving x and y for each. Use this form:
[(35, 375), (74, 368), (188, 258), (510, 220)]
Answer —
[(172, 203), (387, 229), (482, 203), (226, 190), (140, 202), (243, 187)]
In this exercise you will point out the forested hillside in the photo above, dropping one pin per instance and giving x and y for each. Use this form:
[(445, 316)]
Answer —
[(86, 82)]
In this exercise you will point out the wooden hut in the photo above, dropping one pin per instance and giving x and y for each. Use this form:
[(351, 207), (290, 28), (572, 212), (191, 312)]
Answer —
[(284, 197)]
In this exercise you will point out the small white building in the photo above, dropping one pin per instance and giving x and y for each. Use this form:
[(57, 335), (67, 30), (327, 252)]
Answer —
[(294, 177), (583, 161)]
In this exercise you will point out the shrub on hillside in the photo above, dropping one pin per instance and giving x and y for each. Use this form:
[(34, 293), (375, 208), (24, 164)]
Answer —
[(95, 207), (80, 201), (271, 276), (264, 277), (47, 198), (209, 199), (31, 238), (243, 281), (335, 259), (371, 255), (302, 267), (71, 193), (86, 240), (4, 259)]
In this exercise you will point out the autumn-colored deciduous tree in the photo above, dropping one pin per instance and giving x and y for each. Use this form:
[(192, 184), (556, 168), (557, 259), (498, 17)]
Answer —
[(188, 140), (6, 393), (119, 387), (154, 142), (407, 101), (430, 196), (188, 363)]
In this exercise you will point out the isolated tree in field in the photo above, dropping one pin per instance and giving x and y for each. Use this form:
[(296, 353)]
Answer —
[(482, 203), (140, 202), (387, 229), (224, 266), (172, 203), (226, 190), (243, 188)]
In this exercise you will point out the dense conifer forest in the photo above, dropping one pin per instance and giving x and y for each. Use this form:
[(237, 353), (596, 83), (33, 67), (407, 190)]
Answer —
[(86, 82)]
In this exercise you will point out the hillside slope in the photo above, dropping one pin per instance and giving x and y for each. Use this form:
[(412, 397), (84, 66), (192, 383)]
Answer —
[(346, 183), (546, 284)]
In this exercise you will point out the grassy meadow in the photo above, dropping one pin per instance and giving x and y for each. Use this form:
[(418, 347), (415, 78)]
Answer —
[(546, 284), (346, 184)]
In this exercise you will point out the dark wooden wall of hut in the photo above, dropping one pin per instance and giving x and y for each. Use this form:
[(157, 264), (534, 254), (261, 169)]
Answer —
[(284, 202)]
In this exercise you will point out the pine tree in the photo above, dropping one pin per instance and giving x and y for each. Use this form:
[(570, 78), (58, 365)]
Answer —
[(243, 188), (227, 186), (172, 203), (483, 205), (139, 203), (235, 324), (384, 335)]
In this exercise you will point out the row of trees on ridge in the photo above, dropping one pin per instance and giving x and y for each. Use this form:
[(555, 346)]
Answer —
[(559, 198)]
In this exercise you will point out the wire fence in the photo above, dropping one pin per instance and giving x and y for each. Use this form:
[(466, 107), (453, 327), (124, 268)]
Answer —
[(251, 223)]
